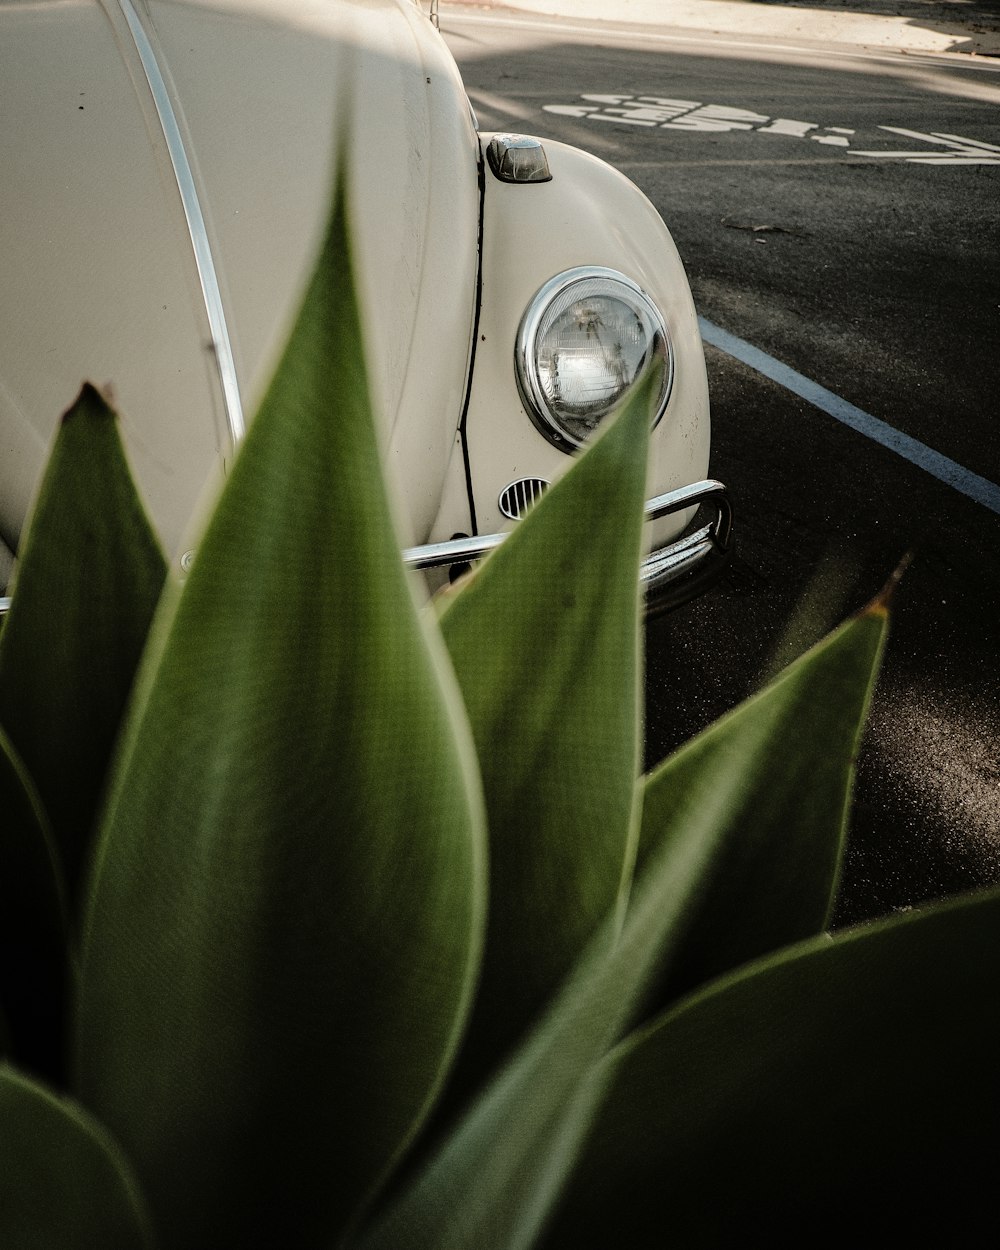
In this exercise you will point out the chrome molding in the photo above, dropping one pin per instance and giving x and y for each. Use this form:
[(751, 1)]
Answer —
[(454, 551), (679, 560), (710, 492), (661, 571), (221, 344)]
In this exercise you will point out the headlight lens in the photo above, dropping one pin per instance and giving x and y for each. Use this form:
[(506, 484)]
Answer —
[(585, 340)]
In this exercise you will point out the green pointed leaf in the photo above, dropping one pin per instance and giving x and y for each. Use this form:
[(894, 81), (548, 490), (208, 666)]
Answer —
[(775, 863), (544, 640), (34, 955), (89, 576), (286, 915), (64, 1185), (845, 1090), (492, 1183)]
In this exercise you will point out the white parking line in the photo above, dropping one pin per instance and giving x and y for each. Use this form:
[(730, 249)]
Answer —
[(948, 471)]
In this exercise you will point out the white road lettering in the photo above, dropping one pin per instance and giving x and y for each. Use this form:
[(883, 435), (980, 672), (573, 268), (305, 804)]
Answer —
[(785, 126), (716, 117), (693, 116)]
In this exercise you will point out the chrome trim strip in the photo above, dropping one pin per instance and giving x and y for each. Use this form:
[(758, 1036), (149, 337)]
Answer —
[(659, 568), (454, 551), (204, 261), (709, 491), (682, 552)]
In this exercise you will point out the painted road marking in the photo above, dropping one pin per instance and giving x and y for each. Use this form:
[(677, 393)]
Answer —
[(663, 113), (961, 151), (948, 471)]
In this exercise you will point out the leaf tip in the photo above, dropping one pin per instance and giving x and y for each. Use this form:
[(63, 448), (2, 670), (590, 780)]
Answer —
[(882, 602), (96, 400)]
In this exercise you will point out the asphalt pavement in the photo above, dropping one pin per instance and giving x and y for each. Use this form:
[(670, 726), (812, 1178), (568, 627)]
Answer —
[(971, 27), (835, 203)]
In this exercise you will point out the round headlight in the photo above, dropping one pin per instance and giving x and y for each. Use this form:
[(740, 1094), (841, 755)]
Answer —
[(585, 340)]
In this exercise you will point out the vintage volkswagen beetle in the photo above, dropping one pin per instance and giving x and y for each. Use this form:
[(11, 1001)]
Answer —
[(166, 176)]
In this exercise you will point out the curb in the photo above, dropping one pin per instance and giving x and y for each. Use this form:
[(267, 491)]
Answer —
[(771, 21)]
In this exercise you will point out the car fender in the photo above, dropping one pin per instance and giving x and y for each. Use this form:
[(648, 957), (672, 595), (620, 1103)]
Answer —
[(587, 214)]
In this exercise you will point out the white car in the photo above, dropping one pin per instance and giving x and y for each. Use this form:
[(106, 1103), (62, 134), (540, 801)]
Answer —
[(166, 179)]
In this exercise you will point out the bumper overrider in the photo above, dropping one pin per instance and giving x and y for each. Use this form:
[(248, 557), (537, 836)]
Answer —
[(670, 575)]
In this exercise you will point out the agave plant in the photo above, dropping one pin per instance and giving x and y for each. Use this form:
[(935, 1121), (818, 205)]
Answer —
[(330, 918)]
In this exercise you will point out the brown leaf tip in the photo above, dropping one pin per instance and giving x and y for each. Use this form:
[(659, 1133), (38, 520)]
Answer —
[(883, 600), (93, 399)]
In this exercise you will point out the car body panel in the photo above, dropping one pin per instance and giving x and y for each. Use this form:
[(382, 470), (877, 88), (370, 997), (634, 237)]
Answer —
[(99, 280), (168, 166), (588, 214), (106, 286)]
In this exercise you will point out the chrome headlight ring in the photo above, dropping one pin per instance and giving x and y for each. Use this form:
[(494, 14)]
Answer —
[(588, 335)]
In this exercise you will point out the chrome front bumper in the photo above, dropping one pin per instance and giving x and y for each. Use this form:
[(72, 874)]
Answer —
[(670, 575)]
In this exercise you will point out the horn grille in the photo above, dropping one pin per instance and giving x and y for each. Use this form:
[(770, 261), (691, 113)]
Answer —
[(516, 498)]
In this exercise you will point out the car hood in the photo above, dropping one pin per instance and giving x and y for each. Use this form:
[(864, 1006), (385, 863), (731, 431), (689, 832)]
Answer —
[(167, 175)]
